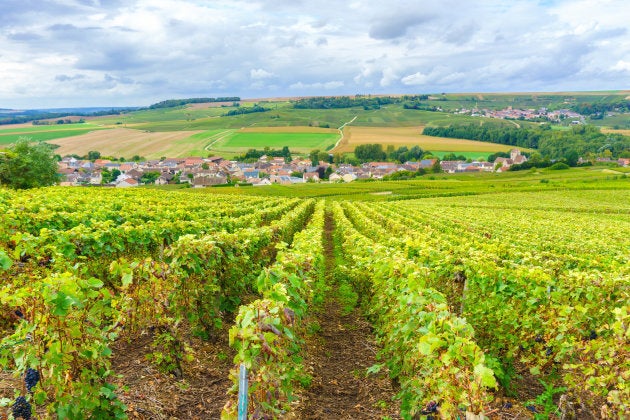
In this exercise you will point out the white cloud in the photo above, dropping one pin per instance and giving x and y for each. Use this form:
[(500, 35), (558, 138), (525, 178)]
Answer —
[(259, 74), (622, 66), (317, 85)]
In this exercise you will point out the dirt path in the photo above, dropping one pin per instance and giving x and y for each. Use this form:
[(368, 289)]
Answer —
[(338, 357), (340, 129)]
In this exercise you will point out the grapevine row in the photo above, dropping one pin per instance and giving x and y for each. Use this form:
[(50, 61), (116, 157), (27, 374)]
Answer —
[(431, 351), (267, 332)]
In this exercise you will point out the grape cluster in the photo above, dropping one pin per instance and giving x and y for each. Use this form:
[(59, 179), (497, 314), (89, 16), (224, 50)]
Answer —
[(431, 408), (21, 408), (31, 378)]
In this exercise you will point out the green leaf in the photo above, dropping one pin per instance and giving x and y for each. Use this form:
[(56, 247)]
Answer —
[(5, 261), (126, 279), (485, 376), (374, 369), (107, 393), (94, 283), (40, 397), (61, 304)]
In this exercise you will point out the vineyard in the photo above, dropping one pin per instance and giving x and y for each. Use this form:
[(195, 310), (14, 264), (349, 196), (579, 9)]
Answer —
[(494, 305)]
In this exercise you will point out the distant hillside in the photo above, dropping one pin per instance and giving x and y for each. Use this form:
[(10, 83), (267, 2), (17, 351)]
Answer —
[(15, 116)]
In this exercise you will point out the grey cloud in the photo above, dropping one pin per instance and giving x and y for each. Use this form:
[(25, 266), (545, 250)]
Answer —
[(460, 34), (66, 78), (396, 25), (121, 58), (24, 37)]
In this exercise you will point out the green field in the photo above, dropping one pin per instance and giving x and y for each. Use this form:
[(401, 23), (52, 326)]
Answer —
[(43, 135), (298, 142), (44, 132)]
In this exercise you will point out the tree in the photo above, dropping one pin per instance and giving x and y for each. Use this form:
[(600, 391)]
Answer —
[(314, 156), (436, 168), (93, 155), (370, 152), (149, 177), (24, 166)]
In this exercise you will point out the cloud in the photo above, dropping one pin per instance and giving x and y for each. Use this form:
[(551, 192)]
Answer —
[(622, 65), (396, 25), (260, 74), (66, 78), (135, 52), (317, 85)]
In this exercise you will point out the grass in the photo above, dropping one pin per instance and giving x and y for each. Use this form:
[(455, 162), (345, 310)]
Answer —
[(44, 135), (296, 141), (28, 129)]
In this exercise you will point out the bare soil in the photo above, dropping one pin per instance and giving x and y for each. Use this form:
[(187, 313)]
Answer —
[(337, 357), (200, 393)]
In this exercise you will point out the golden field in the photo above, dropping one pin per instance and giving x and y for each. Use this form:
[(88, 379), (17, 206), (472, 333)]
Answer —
[(411, 136)]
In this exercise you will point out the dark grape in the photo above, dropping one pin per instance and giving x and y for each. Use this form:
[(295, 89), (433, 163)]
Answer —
[(432, 407), (19, 313), (31, 378), (539, 339), (593, 335), (549, 351), (531, 408), (21, 408), (507, 405)]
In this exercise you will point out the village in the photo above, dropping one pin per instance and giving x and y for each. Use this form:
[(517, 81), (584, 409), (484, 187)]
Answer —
[(215, 170), (510, 113)]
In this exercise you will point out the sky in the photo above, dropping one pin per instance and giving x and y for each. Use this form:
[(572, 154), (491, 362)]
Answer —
[(72, 53)]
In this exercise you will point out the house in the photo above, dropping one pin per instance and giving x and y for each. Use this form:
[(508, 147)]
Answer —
[(193, 161), (516, 157), (335, 178), (450, 166), (134, 173), (624, 161), (260, 182), (96, 178), (427, 163), (124, 167), (164, 178), (310, 176), (251, 173), (349, 177), (126, 183)]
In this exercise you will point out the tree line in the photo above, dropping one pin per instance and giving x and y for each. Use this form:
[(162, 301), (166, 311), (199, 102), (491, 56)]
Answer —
[(172, 103), (599, 109), (366, 101), (245, 110), (253, 155), (553, 144)]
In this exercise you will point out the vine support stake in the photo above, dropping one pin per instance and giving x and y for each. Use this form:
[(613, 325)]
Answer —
[(242, 392)]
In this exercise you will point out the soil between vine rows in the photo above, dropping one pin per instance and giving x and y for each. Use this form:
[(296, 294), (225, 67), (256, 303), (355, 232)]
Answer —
[(338, 356), (201, 393)]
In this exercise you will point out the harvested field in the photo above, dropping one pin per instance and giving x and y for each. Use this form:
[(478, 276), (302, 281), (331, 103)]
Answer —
[(127, 142), (625, 132), (411, 136)]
